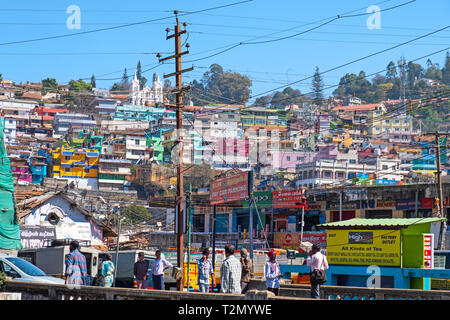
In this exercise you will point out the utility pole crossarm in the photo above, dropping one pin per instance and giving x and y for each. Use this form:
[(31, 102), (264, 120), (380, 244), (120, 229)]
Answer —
[(178, 73)]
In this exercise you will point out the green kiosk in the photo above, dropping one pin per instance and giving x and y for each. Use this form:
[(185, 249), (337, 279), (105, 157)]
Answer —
[(396, 250)]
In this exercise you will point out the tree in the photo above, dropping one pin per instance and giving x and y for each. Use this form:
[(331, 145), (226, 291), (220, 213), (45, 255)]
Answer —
[(415, 72), (142, 80), (317, 87), (79, 85), (118, 87), (49, 85), (135, 214), (93, 84), (446, 70), (391, 71), (125, 77), (1, 77), (218, 86), (262, 102)]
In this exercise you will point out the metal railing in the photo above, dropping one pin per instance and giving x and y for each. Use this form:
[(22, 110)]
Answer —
[(355, 293)]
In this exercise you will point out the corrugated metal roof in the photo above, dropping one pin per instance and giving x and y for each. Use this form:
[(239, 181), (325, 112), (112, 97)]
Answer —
[(374, 223)]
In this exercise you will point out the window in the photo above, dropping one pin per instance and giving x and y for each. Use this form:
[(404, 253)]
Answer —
[(137, 141), (327, 174), (387, 121), (299, 158), (352, 161), (288, 158), (397, 129), (87, 170), (385, 167), (67, 158)]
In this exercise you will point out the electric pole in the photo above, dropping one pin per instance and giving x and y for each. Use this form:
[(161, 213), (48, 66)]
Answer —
[(440, 197), (179, 111)]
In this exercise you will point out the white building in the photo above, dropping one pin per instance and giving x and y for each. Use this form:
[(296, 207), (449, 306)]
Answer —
[(147, 95), (71, 220)]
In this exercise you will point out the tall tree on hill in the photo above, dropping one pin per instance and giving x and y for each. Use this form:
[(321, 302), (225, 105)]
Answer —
[(125, 78), (433, 71), (391, 72), (219, 86), (49, 85), (93, 84), (446, 70), (317, 87), (142, 80)]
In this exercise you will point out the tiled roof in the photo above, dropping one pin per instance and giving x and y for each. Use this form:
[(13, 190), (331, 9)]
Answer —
[(360, 107)]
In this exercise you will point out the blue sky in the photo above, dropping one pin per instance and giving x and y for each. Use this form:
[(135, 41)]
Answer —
[(269, 65)]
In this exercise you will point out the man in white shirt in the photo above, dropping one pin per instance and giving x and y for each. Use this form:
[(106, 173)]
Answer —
[(317, 261), (230, 272), (158, 267)]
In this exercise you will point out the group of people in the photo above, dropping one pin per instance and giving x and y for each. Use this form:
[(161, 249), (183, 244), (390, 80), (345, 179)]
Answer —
[(235, 275), (158, 266)]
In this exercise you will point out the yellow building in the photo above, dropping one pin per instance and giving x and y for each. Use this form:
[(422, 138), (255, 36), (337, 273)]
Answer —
[(75, 163)]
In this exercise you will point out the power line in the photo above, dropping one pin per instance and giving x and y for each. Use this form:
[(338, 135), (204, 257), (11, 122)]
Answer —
[(120, 26)]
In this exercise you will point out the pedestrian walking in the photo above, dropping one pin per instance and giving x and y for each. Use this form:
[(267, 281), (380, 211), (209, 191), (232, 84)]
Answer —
[(107, 272), (230, 272), (272, 273), (205, 270), (140, 271), (158, 267), (246, 263), (318, 263), (76, 267)]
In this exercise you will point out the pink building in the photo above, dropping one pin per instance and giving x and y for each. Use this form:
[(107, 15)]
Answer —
[(21, 174)]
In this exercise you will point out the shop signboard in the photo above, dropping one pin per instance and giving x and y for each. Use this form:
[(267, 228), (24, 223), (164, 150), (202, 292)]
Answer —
[(34, 236), (286, 198), (346, 205), (230, 188), (427, 203), (386, 182), (428, 250), (363, 247), (385, 204), (407, 204), (74, 230), (291, 240), (263, 199)]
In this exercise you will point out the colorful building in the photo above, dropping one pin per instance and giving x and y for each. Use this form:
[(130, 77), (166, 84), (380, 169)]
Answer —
[(75, 163)]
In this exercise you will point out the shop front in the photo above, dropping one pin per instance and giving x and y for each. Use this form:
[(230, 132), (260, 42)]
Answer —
[(357, 247), (383, 209), (350, 210)]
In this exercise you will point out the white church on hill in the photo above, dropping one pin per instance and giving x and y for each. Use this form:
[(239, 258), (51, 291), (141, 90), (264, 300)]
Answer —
[(147, 95)]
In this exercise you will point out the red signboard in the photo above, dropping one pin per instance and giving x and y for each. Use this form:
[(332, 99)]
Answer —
[(428, 248), (292, 239), (427, 203), (286, 198), (229, 189)]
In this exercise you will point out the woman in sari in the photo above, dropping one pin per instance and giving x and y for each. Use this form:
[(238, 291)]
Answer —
[(107, 272)]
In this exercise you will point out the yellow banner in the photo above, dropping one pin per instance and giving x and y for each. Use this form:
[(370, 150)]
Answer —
[(363, 247)]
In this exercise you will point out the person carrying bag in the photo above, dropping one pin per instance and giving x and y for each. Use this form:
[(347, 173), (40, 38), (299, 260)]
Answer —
[(318, 263)]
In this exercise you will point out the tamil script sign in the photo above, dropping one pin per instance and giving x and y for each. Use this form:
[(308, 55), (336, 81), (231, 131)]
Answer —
[(34, 236), (287, 198), (229, 189), (364, 247)]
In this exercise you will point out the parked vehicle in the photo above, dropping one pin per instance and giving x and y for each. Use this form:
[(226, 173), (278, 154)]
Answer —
[(21, 270), (51, 259)]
